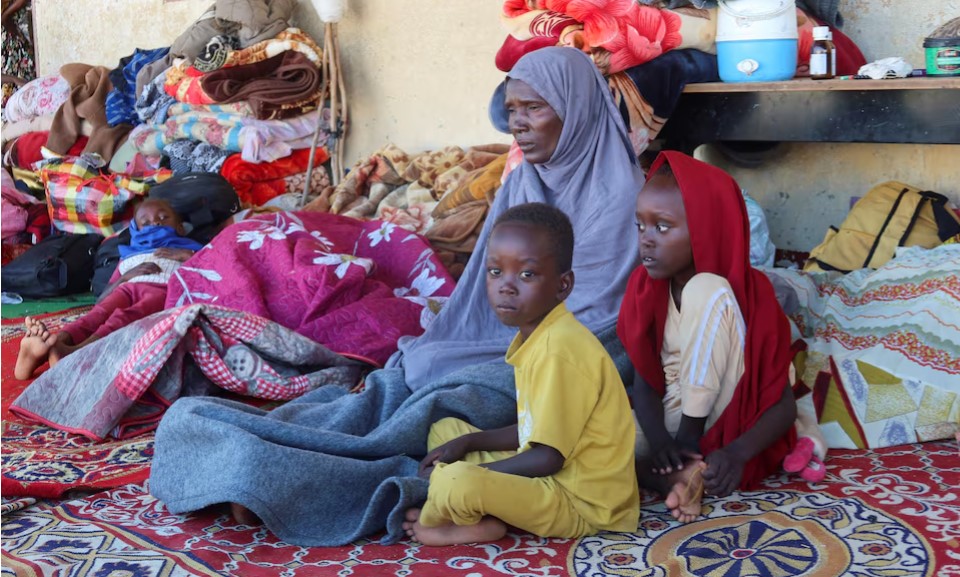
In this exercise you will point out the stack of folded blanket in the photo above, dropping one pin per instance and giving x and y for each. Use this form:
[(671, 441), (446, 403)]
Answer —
[(238, 93), (247, 111)]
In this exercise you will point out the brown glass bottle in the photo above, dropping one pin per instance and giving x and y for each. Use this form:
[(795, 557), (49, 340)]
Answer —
[(823, 54)]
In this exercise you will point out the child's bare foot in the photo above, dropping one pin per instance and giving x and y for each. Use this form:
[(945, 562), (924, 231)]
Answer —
[(412, 516), (61, 347), (488, 529), (34, 348), (244, 516), (686, 493)]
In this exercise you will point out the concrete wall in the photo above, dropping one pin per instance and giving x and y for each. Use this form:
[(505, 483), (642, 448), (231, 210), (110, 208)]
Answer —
[(809, 187), (419, 74), (103, 31)]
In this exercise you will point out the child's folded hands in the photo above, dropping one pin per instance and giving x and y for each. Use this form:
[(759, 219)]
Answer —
[(449, 452)]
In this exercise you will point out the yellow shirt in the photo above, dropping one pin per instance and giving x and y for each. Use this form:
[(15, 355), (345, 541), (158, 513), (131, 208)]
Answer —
[(570, 397)]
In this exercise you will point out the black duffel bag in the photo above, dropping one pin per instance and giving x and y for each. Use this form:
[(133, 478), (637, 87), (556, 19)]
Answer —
[(107, 260), (60, 264), (203, 199)]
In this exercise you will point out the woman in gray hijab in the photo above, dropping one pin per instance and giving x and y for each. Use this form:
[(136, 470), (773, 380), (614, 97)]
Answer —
[(331, 467), (592, 176)]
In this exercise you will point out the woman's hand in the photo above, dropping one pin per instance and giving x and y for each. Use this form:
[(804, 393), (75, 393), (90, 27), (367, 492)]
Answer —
[(723, 473), (177, 254), (449, 452)]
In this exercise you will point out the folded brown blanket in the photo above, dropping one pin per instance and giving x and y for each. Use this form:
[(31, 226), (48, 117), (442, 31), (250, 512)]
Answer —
[(287, 79), (478, 184), (454, 237), (459, 229), (88, 95)]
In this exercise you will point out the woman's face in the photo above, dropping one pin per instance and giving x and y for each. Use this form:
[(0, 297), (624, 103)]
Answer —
[(532, 121)]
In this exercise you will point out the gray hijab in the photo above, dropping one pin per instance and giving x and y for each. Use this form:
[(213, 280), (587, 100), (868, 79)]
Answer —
[(593, 176)]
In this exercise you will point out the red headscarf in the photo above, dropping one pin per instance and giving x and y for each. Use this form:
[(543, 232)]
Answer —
[(720, 239)]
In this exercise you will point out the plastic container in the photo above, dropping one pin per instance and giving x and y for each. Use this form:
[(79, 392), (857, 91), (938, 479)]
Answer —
[(757, 40), (943, 56)]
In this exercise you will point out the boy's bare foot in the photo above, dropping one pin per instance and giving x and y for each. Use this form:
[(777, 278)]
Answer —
[(412, 516), (244, 516), (34, 348), (488, 529), (686, 492)]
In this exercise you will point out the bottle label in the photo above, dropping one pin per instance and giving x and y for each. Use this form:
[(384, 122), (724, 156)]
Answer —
[(818, 64)]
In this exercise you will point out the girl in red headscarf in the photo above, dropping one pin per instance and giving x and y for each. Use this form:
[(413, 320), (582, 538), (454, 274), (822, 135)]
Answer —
[(708, 339)]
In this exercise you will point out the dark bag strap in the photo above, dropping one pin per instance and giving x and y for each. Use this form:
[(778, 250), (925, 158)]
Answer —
[(913, 220), (947, 225), (893, 211)]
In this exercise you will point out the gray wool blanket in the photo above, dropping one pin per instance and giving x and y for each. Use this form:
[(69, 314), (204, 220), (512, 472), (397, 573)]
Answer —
[(330, 467)]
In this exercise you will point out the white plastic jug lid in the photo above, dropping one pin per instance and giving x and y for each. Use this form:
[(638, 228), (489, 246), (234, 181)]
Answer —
[(756, 9)]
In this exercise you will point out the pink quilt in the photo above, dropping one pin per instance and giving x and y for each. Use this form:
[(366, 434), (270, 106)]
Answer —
[(354, 287)]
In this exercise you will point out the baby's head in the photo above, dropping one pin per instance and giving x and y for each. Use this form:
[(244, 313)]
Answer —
[(665, 249), (529, 264), (156, 212)]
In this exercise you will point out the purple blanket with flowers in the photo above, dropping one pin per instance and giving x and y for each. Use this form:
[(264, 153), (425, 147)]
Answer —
[(355, 287)]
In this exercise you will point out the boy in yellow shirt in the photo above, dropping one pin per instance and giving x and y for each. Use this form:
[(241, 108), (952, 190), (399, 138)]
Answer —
[(566, 469)]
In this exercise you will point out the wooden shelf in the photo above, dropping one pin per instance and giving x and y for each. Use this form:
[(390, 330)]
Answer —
[(922, 110), (808, 85)]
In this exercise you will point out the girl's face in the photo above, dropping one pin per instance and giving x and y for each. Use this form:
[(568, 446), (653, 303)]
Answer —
[(665, 249), (532, 121)]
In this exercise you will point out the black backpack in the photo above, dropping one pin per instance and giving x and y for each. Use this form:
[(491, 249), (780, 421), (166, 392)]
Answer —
[(107, 259), (58, 265), (204, 199)]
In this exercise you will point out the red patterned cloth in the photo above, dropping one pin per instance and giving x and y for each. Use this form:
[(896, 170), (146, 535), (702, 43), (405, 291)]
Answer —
[(256, 183), (27, 148)]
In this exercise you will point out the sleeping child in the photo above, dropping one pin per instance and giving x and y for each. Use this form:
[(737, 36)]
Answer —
[(157, 247), (566, 469), (709, 341)]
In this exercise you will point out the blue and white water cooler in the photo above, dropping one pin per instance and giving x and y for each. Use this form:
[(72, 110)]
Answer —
[(757, 40)]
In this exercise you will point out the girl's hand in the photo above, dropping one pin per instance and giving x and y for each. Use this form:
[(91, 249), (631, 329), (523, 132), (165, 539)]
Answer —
[(177, 254), (671, 456), (449, 452), (723, 473)]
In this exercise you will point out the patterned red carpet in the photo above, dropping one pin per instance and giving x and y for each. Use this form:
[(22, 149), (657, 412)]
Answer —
[(42, 462), (890, 513)]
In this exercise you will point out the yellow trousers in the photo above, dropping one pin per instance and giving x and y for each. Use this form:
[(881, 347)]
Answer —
[(463, 492)]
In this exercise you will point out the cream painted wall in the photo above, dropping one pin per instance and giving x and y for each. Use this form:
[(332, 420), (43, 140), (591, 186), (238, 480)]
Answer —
[(419, 73)]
